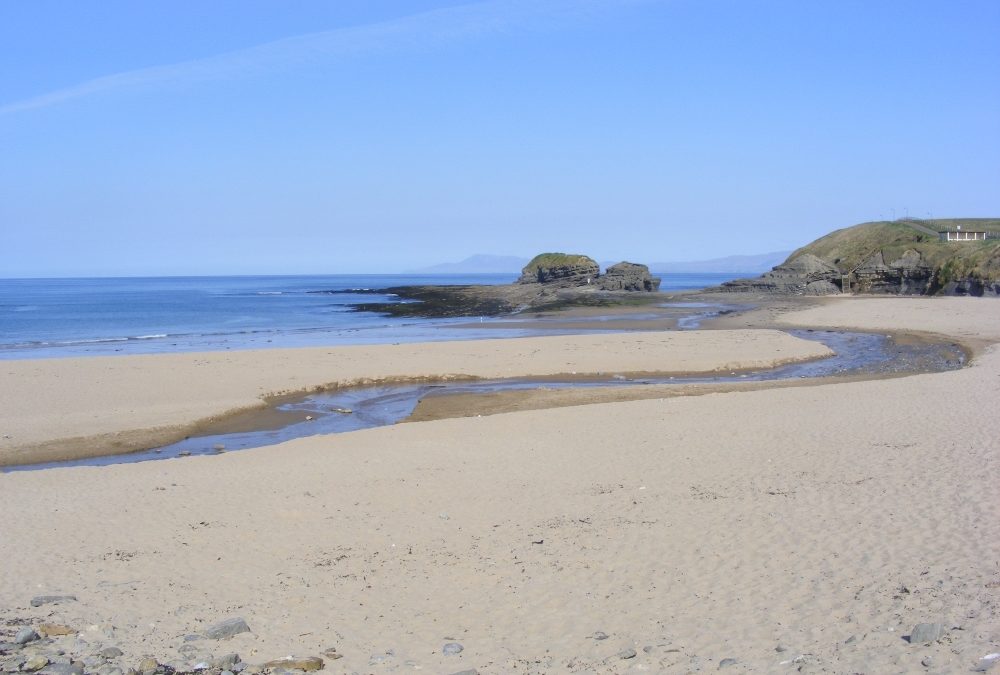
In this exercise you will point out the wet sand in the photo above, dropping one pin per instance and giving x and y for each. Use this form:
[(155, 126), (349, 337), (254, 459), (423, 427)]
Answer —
[(791, 529), (69, 408)]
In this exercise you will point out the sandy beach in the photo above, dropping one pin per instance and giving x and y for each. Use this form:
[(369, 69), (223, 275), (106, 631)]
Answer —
[(59, 408), (793, 529)]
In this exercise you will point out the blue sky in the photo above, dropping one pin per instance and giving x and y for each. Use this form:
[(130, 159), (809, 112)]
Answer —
[(253, 136)]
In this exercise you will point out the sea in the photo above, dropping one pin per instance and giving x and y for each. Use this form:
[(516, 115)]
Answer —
[(50, 318)]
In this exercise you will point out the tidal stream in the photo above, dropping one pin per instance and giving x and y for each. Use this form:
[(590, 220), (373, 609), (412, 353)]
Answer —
[(351, 409)]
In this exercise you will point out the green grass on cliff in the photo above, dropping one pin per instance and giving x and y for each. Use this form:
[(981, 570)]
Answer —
[(849, 247), (547, 260)]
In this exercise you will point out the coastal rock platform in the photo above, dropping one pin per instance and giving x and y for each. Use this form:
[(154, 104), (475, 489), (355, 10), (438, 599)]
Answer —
[(550, 281)]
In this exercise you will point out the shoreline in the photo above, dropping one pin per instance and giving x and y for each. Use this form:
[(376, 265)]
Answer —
[(814, 526), (259, 413)]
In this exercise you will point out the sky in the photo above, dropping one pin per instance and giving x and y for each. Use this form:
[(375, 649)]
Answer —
[(351, 136)]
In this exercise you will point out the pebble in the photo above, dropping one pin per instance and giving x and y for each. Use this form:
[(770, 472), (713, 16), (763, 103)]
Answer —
[(40, 600), (55, 629), (332, 654), (307, 664), (451, 648), (25, 635), (227, 628), (148, 665), (75, 668), (986, 663), (226, 662), (470, 671), (92, 662), (725, 663), (926, 632), (376, 659), (600, 635), (110, 652), (781, 648), (627, 654), (35, 663)]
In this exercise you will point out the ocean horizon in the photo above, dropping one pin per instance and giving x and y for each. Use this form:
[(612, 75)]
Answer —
[(59, 317)]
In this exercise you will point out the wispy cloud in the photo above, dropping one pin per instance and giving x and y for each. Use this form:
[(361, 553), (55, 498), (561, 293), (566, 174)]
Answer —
[(416, 31)]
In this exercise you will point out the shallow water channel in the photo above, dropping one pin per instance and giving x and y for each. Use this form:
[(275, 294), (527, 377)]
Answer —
[(351, 409)]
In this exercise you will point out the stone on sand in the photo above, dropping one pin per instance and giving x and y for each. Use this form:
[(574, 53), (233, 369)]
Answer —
[(926, 632), (25, 635), (40, 600), (307, 663), (227, 629)]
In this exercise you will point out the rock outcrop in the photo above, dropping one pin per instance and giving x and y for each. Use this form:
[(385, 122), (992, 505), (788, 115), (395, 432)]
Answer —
[(626, 276), (907, 275), (903, 257), (805, 275), (551, 281), (560, 269)]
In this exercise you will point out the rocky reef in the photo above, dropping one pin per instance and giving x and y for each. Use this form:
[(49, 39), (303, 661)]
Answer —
[(550, 281)]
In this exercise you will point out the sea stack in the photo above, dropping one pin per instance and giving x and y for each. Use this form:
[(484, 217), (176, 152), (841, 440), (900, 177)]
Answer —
[(563, 269), (570, 270), (627, 276)]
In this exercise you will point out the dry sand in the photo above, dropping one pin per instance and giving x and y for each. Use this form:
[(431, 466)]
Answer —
[(828, 520)]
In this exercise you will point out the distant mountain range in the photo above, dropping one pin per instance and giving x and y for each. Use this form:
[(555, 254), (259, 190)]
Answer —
[(504, 264), (761, 262), (477, 264)]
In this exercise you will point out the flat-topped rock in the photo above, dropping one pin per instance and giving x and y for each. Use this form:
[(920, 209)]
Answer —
[(627, 276), (563, 269)]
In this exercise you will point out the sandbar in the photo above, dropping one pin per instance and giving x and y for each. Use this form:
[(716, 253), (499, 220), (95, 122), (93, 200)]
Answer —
[(54, 409)]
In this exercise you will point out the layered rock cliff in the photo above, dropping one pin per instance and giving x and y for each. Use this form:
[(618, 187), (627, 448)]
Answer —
[(805, 275), (560, 269), (894, 258), (626, 276)]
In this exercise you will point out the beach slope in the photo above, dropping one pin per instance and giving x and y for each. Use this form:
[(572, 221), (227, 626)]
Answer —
[(806, 528)]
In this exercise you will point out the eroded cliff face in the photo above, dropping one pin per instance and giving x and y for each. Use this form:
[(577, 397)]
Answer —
[(970, 286), (908, 274), (805, 275)]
